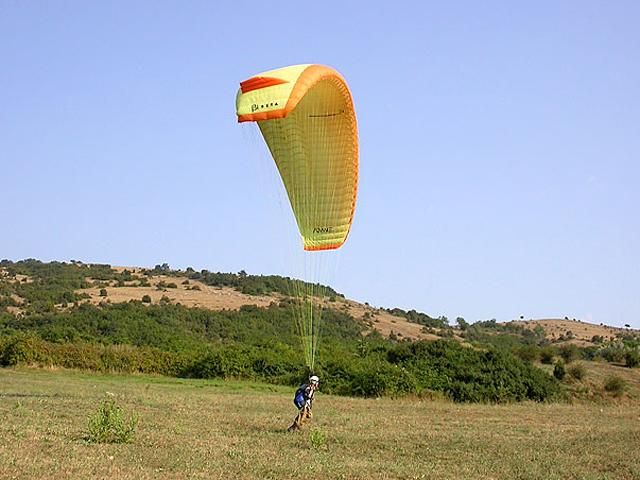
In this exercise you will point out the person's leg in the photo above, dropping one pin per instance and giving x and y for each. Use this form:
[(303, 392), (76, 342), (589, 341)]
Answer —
[(297, 422)]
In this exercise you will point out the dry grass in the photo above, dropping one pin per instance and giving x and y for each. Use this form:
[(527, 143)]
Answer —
[(204, 429), (213, 298), (591, 387)]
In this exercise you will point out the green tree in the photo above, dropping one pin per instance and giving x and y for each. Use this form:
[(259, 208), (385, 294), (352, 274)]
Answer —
[(462, 323)]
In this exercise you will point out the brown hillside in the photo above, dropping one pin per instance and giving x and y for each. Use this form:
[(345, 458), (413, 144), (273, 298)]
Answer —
[(385, 323), (573, 331), (213, 298)]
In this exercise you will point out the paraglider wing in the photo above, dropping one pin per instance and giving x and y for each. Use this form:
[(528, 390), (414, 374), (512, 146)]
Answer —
[(306, 116)]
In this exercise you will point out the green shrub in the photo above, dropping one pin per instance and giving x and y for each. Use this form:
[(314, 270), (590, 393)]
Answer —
[(376, 379), (146, 299), (589, 353), (615, 385), (546, 355), (108, 424), (527, 353), (225, 362), (613, 353), (559, 371), (17, 350), (632, 358), (577, 371), (469, 375), (569, 353)]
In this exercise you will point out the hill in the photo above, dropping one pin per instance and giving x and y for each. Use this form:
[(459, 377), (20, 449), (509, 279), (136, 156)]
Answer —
[(124, 284), (234, 325), (178, 288)]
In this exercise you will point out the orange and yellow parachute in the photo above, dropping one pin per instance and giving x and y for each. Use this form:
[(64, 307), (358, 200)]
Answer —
[(306, 116)]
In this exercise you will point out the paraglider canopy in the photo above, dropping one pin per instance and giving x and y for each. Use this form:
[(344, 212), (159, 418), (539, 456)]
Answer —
[(306, 116)]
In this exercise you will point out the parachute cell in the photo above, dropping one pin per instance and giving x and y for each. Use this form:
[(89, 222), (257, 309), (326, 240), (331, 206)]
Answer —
[(306, 116)]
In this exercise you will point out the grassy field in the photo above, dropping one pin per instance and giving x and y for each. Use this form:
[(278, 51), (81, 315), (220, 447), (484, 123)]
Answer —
[(193, 429)]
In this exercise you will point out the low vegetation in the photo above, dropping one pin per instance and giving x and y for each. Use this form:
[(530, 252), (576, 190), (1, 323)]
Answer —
[(109, 424), (615, 385)]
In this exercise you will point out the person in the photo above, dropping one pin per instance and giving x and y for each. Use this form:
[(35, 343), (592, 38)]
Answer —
[(303, 400)]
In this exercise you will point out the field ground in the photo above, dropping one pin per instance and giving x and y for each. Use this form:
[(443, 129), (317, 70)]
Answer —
[(197, 429)]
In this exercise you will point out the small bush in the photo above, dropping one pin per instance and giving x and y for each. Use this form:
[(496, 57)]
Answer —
[(103, 292), (317, 439), (632, 358), (589, 353), (569, 353), (559, 371), (613, 354), (546, 356), (615, 385), (108, 425), (146, 299), (17, 350), (577, 371)]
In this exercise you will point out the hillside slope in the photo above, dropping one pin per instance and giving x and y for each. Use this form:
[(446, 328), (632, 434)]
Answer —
[(178, 289), (575, 331)]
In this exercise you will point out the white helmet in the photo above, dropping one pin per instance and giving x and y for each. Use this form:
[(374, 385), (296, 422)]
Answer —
[(314, 379)]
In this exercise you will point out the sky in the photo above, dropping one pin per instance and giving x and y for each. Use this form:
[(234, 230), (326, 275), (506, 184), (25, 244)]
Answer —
[(499, 146)]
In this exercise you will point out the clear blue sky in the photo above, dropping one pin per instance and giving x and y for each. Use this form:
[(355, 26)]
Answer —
[(500, 145)]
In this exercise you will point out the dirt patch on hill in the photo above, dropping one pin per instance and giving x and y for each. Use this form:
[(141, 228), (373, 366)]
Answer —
[(193, 294), (385, 323), (17, 277)]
